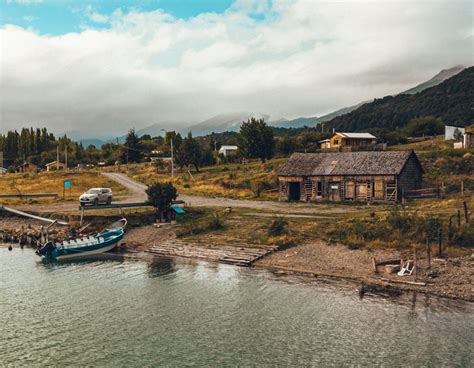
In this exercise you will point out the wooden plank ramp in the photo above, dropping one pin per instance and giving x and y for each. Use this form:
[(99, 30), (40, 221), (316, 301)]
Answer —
[(235, 255)]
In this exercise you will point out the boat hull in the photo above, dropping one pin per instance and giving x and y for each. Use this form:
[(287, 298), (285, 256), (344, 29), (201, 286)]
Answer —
[(83, 247), (84, 254)]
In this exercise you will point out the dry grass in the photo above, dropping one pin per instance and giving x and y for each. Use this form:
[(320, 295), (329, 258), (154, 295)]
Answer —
[(52, 182), (433, 144), (240, 181), (240, 228)]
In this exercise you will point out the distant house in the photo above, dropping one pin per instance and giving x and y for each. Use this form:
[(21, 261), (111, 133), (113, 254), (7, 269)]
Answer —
[(341, 139), (228, 150), (450, 130), (467, 138), (55, 166), (3, 170), (325, 143), (369, 176), (27, 167)]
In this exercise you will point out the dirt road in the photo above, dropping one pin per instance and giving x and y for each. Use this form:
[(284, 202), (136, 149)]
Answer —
[(137, 194)]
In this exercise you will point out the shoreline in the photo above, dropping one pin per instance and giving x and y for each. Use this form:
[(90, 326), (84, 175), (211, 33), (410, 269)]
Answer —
[(450, 278)]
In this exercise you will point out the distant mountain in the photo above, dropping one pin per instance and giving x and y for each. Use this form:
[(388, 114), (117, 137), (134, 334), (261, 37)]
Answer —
[(452, 101), (156, 130), (296, 123), (223, 123), (437, 79), (232, 121)]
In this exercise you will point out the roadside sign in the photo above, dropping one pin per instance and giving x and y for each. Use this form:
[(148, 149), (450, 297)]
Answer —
[(67, 184)]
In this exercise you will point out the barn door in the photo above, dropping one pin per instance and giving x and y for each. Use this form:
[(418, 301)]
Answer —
[(378, 189)]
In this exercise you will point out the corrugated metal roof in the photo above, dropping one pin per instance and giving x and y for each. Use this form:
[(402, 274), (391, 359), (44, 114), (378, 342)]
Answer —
[(346, 163), (356, 135), (229, 148)]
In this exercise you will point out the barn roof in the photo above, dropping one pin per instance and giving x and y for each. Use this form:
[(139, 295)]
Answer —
[(346, 163)]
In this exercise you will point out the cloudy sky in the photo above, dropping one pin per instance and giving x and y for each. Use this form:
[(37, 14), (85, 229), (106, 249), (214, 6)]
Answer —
[(100, 67)]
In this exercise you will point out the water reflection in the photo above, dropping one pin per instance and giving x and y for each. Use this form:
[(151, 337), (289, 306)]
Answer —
[(160, 267)]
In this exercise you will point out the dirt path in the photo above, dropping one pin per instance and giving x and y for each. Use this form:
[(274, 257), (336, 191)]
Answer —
[(137, 194)]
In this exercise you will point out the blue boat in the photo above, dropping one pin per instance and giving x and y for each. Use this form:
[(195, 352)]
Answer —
[(82, 247)]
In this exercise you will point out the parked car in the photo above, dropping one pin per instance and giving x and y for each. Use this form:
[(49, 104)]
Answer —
[(96, 196)]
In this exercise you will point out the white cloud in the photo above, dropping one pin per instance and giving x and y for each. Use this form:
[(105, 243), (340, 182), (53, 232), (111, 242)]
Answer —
[(25, 2), (304, 58)]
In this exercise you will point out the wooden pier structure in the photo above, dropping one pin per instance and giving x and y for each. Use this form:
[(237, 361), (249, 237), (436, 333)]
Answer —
[(229, 254)]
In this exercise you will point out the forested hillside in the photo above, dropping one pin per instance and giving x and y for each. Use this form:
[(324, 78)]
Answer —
[(451, 101)]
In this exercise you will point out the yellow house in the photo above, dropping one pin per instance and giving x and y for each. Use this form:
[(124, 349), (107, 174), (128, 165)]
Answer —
[(55, 166), (340, 139)]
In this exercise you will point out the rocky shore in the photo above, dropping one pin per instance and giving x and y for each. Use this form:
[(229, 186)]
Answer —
[(451, 277)]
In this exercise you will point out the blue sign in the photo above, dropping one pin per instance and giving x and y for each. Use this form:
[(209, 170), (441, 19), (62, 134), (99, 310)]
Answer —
[(67, 184)]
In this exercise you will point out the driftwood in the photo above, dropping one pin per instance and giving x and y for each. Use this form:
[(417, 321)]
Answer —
[(403, 281), (375, 264)]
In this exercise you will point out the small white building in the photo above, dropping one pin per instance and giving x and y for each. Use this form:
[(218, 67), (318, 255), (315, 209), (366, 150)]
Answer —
[(3, 170), (449, 131), (228, 150)]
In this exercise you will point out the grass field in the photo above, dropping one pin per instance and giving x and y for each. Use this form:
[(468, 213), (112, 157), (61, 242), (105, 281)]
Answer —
[(241, 181), (52, 182)]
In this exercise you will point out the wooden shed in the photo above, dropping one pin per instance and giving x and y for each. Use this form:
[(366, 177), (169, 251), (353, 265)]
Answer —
[(371, 176)]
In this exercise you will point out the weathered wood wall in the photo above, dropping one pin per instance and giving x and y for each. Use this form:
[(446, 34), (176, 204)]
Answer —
[(410, 177)]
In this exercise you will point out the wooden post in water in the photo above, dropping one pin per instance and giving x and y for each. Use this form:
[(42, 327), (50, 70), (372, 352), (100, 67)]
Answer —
[(466, 213), (82, 215)]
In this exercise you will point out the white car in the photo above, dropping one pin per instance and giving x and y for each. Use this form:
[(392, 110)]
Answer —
[(96, 196)]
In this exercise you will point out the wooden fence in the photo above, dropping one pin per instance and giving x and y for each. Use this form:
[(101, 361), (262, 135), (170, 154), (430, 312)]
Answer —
[(421, 193)]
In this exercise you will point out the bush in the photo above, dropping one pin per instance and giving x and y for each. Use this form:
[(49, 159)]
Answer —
[(215, 223), (278, 227), (464, 236)]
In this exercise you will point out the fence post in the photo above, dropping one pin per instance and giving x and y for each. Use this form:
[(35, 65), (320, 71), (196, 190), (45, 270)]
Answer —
[(440, 242), (428, 252), (459, 218), (466, 213), (450, 229), (462, 188), (415, 263)]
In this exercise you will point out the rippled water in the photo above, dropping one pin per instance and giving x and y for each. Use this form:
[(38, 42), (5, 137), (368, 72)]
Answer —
[(159, 312)]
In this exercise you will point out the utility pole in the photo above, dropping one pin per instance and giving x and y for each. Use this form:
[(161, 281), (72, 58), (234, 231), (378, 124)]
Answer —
[(172, 159), (65, 156), (172, 153), (57, 157)]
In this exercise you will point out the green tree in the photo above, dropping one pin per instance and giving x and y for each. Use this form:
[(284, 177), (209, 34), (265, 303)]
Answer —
[(160, 196), (256, 140), (286, 145), (190, 152), (131, 151), (457, 135), (424, 126)]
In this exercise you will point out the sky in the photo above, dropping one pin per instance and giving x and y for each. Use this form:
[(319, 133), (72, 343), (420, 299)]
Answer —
[(100, 67)]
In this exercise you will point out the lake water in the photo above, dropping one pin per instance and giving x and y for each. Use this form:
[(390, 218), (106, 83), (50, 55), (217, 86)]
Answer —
[(159, 312)]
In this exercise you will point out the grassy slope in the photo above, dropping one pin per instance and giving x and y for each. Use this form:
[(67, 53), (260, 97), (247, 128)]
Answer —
[(443, 164), (229, 180), (52, 182)]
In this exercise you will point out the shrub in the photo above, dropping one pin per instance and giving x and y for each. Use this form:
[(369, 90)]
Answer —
[(215, 223), (464, 236), (278, 227)]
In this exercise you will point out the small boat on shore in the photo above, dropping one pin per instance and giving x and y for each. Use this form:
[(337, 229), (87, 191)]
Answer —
[(85, 246)]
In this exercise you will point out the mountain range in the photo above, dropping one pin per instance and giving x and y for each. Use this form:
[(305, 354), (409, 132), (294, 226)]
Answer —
[(451, 101), (231, 121)]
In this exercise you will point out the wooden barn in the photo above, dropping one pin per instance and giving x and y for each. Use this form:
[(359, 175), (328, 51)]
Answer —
[(373, 176)]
